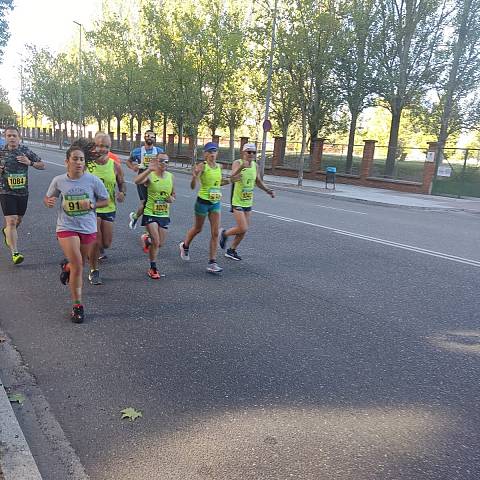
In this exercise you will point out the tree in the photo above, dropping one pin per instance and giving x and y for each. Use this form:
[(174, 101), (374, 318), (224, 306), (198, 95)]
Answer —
[(463, 71), (410, 32), (5, 7), (355, 65)]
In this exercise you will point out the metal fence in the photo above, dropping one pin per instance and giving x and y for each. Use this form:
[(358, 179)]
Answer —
[(409, 164), (459, 173)]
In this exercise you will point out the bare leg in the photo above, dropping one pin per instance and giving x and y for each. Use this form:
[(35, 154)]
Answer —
[(243, 222), (11, 224), (195, 230), (214, 219)]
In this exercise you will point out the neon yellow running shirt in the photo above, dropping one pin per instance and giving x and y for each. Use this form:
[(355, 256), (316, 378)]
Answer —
[(243, 189), (158, 190), (210, 183), (106, 173)]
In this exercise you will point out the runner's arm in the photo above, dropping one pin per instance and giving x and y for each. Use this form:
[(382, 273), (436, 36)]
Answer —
[(52, 194), (33, 160), (132, 163), (196, 172), (122, 186), (142, 178), (262, 186)]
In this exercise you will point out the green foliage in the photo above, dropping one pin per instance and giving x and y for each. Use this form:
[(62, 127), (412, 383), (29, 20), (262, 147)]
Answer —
[(5, 6), (131, 414)]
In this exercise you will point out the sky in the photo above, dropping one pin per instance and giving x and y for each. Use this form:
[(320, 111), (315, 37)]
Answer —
[(45, 24)]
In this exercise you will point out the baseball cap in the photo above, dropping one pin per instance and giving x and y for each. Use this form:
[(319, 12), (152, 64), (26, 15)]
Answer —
[(249, 147), (210, 147)]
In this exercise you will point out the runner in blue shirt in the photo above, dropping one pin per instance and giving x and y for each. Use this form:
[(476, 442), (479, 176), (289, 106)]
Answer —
[(138, 162)]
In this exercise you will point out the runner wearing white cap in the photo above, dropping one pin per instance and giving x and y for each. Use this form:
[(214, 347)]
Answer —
[(242, 199)]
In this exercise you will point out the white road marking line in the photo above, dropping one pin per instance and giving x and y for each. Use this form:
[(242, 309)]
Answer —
[(412, 248), (342, 209)]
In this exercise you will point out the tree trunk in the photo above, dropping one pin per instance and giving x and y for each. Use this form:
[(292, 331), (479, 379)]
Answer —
[(180, 138), (231, 128), (301, 162), (152, 124), (351, 142), (139, 124), (119, 122), (393, 142), (99, 122), (164, 136), (131, 128), (109, 126)]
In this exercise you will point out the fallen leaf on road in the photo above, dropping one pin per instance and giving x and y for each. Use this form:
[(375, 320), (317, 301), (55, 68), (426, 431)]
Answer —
[(131, 413), (16, 398)]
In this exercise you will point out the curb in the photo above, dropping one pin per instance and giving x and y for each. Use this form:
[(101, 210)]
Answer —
[(16, 459)]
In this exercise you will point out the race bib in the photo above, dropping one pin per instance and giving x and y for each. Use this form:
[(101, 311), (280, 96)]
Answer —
[(146, 159), (72, 205), (214, 194), (160, 207), (247, 193), (16, 181)]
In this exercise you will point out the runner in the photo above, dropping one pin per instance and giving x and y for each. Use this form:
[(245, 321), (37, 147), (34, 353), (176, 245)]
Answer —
[(242, 198), (138, 162), (110, 173), (80, 193), (156, 215), (14, 162), (208, 203)]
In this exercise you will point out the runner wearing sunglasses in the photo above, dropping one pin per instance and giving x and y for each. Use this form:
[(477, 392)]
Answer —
[(138, 162), (242, 199), (156, 214)]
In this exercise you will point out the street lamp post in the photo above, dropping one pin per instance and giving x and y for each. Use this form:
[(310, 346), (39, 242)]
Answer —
[(80, 100), (266, 122), (21, 97)]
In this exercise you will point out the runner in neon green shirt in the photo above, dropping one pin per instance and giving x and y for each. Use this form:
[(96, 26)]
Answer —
[(208, 203), (111, 174), (242, 198), (156, 214)]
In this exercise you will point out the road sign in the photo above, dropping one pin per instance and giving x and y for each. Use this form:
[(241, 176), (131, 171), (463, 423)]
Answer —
[(267, 125)]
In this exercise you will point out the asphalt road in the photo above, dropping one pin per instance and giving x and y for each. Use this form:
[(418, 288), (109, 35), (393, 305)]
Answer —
[(344, 346)]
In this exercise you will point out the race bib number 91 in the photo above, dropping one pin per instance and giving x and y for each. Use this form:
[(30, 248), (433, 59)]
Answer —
[(17, 181), (72, 205)]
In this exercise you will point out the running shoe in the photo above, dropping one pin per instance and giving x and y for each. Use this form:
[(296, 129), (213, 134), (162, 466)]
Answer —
[(17, 258), (94, 277), (232, 254), (5, 241), (77, 315), (184, 255), (146, 242), (214, 268), (132, 224), (153, 273), (222, 239), (65, 273)]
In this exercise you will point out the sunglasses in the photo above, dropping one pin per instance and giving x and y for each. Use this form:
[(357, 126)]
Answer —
[(150, 136), (163, 161), (251, 152)]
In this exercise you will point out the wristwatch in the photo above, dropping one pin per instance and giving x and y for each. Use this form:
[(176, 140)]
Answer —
[(31, 163)]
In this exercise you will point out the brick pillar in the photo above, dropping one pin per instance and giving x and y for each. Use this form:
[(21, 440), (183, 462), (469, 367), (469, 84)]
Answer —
[(316, 155), (429, 168), (138, 139), (90, 136), (50, 134), (124, 142), (278, 149), (243, 141), (72, 135), (110, 134), (27, 133), (216, 139), (44, 133), (367, 158), (171, 144)]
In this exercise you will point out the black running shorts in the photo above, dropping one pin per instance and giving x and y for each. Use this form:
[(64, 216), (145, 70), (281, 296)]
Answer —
[(13, 204)]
